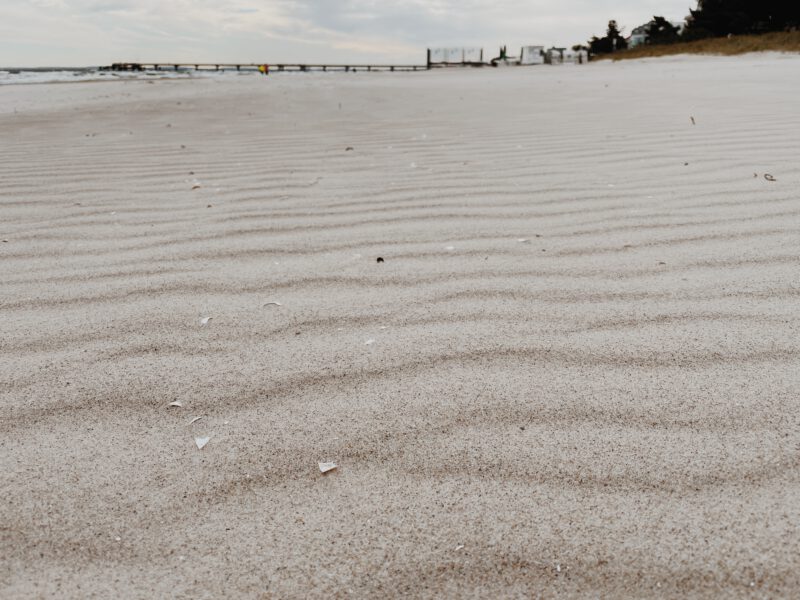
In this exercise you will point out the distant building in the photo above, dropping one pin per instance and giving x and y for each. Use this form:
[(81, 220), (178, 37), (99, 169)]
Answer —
[(443, 57), (578, 57), (554, 56), (528, 55), (531, 55), (641, 36)]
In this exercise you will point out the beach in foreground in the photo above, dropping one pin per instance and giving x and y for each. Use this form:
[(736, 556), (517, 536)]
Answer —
[(574, 373)]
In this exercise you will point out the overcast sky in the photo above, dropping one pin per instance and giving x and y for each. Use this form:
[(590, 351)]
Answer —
[(99, 32)]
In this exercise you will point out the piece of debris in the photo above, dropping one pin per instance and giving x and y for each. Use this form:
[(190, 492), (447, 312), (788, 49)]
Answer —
[(208, 206), (693, 121), (177, 403), (685, 164), (196, 186), (325, 467), (369, 342), (459, 547), (5, 241), (201, 442), (662, 263), (769, 177), (449, 248), (349, 149), (523, 241), (194, 420), (380, 259), (273, 303), (205, 320)]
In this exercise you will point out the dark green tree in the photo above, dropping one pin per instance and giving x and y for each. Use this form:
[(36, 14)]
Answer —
[(611, 43), (723, 17), (661, 31), (615, 35)]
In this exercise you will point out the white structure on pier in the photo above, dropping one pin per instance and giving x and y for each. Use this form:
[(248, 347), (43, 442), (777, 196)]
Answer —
[(531, 55)]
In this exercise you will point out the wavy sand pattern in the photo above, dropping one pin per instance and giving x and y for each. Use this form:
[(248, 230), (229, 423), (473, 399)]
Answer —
[(609, 407)]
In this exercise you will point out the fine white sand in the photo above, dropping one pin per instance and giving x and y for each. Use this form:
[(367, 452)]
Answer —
[(607, 408)]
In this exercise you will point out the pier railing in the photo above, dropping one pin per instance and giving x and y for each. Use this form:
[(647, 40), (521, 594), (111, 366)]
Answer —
[(299, 67)]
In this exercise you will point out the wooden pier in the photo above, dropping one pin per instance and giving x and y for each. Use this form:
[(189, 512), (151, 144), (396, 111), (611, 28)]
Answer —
[(278, 67)]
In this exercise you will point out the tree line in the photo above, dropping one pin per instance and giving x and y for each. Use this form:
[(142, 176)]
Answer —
[(711, 18)]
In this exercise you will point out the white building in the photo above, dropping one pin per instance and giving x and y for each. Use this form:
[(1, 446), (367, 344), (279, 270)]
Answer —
[(531, 55), (638, 36), (577, 57), (454, 56)]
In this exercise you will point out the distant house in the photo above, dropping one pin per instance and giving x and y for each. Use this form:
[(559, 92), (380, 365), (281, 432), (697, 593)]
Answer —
[(531, 55), (578, 57), (554, 56), (640, 35), (561, 56)]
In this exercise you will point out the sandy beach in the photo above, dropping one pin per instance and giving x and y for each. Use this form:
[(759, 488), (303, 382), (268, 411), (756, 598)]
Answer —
[(575, 373)]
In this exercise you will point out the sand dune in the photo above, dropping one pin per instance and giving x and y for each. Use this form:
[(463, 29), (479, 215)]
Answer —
[(583, 376)]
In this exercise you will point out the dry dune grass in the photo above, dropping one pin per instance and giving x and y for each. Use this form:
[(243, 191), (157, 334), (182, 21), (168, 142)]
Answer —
[(583, 377), (738, 44)]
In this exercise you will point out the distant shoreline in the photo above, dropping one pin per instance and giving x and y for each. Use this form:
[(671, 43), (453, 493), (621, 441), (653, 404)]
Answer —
[(724, 46)]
